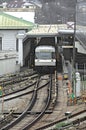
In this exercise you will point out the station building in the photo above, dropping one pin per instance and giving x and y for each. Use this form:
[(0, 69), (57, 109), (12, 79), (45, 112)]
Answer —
[(18, 39), (81, 37), (12, 34), (80, 58)]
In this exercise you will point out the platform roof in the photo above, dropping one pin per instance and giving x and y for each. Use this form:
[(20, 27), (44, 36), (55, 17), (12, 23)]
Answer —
[(10, 22), (66, 31), (48, 30)]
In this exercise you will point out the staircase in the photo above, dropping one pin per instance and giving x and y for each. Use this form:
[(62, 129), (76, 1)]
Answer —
[(80, 59)]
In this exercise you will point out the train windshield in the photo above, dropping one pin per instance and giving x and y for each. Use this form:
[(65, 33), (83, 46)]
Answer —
[(45, 55)]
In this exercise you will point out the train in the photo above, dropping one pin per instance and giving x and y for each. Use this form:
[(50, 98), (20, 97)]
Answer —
[(45, 57)]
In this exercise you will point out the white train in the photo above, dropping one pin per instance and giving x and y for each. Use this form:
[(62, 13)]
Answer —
[(45, 57)]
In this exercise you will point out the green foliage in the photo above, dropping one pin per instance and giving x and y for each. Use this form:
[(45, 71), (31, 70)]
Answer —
[(0, 92), (60, 125)]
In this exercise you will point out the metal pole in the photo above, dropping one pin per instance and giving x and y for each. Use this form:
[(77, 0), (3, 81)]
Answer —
[(74, 37), (73, 62), (84, 76)]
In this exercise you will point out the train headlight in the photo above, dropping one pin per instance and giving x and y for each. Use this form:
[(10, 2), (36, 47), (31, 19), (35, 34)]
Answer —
[(36, 60), (53, 60)]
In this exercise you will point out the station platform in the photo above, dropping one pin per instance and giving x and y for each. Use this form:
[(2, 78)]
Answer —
[(62, 107)]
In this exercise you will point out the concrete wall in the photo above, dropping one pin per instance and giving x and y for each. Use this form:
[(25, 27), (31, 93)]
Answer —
[(80, 48), (9, 39), (8, 62), (8, 58)]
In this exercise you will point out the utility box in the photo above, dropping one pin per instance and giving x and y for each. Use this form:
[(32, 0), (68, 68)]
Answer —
[(78, 84)]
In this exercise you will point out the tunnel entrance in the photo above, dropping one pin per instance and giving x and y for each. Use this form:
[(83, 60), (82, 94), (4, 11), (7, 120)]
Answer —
[(29, 48)]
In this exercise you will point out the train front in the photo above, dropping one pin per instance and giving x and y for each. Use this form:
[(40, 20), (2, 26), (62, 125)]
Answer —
[(45, 58)]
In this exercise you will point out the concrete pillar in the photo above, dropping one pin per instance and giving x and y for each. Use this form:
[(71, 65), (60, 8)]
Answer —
[(56, 40), (20, 48), (20, 37)]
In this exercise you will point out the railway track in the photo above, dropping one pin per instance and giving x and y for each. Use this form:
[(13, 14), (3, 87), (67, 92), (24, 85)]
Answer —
[(19, 84), (58, 112), (24, 115), (64, 124), (10, 89), (19, 94), (51, 116), (13, 78)]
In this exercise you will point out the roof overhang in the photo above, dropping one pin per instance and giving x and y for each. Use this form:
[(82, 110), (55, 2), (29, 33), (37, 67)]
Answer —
[(66, 31), (49, 31), (42, 35)]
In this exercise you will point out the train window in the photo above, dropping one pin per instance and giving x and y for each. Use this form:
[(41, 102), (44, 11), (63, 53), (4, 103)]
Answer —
[(46, 55), (43, 55)]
